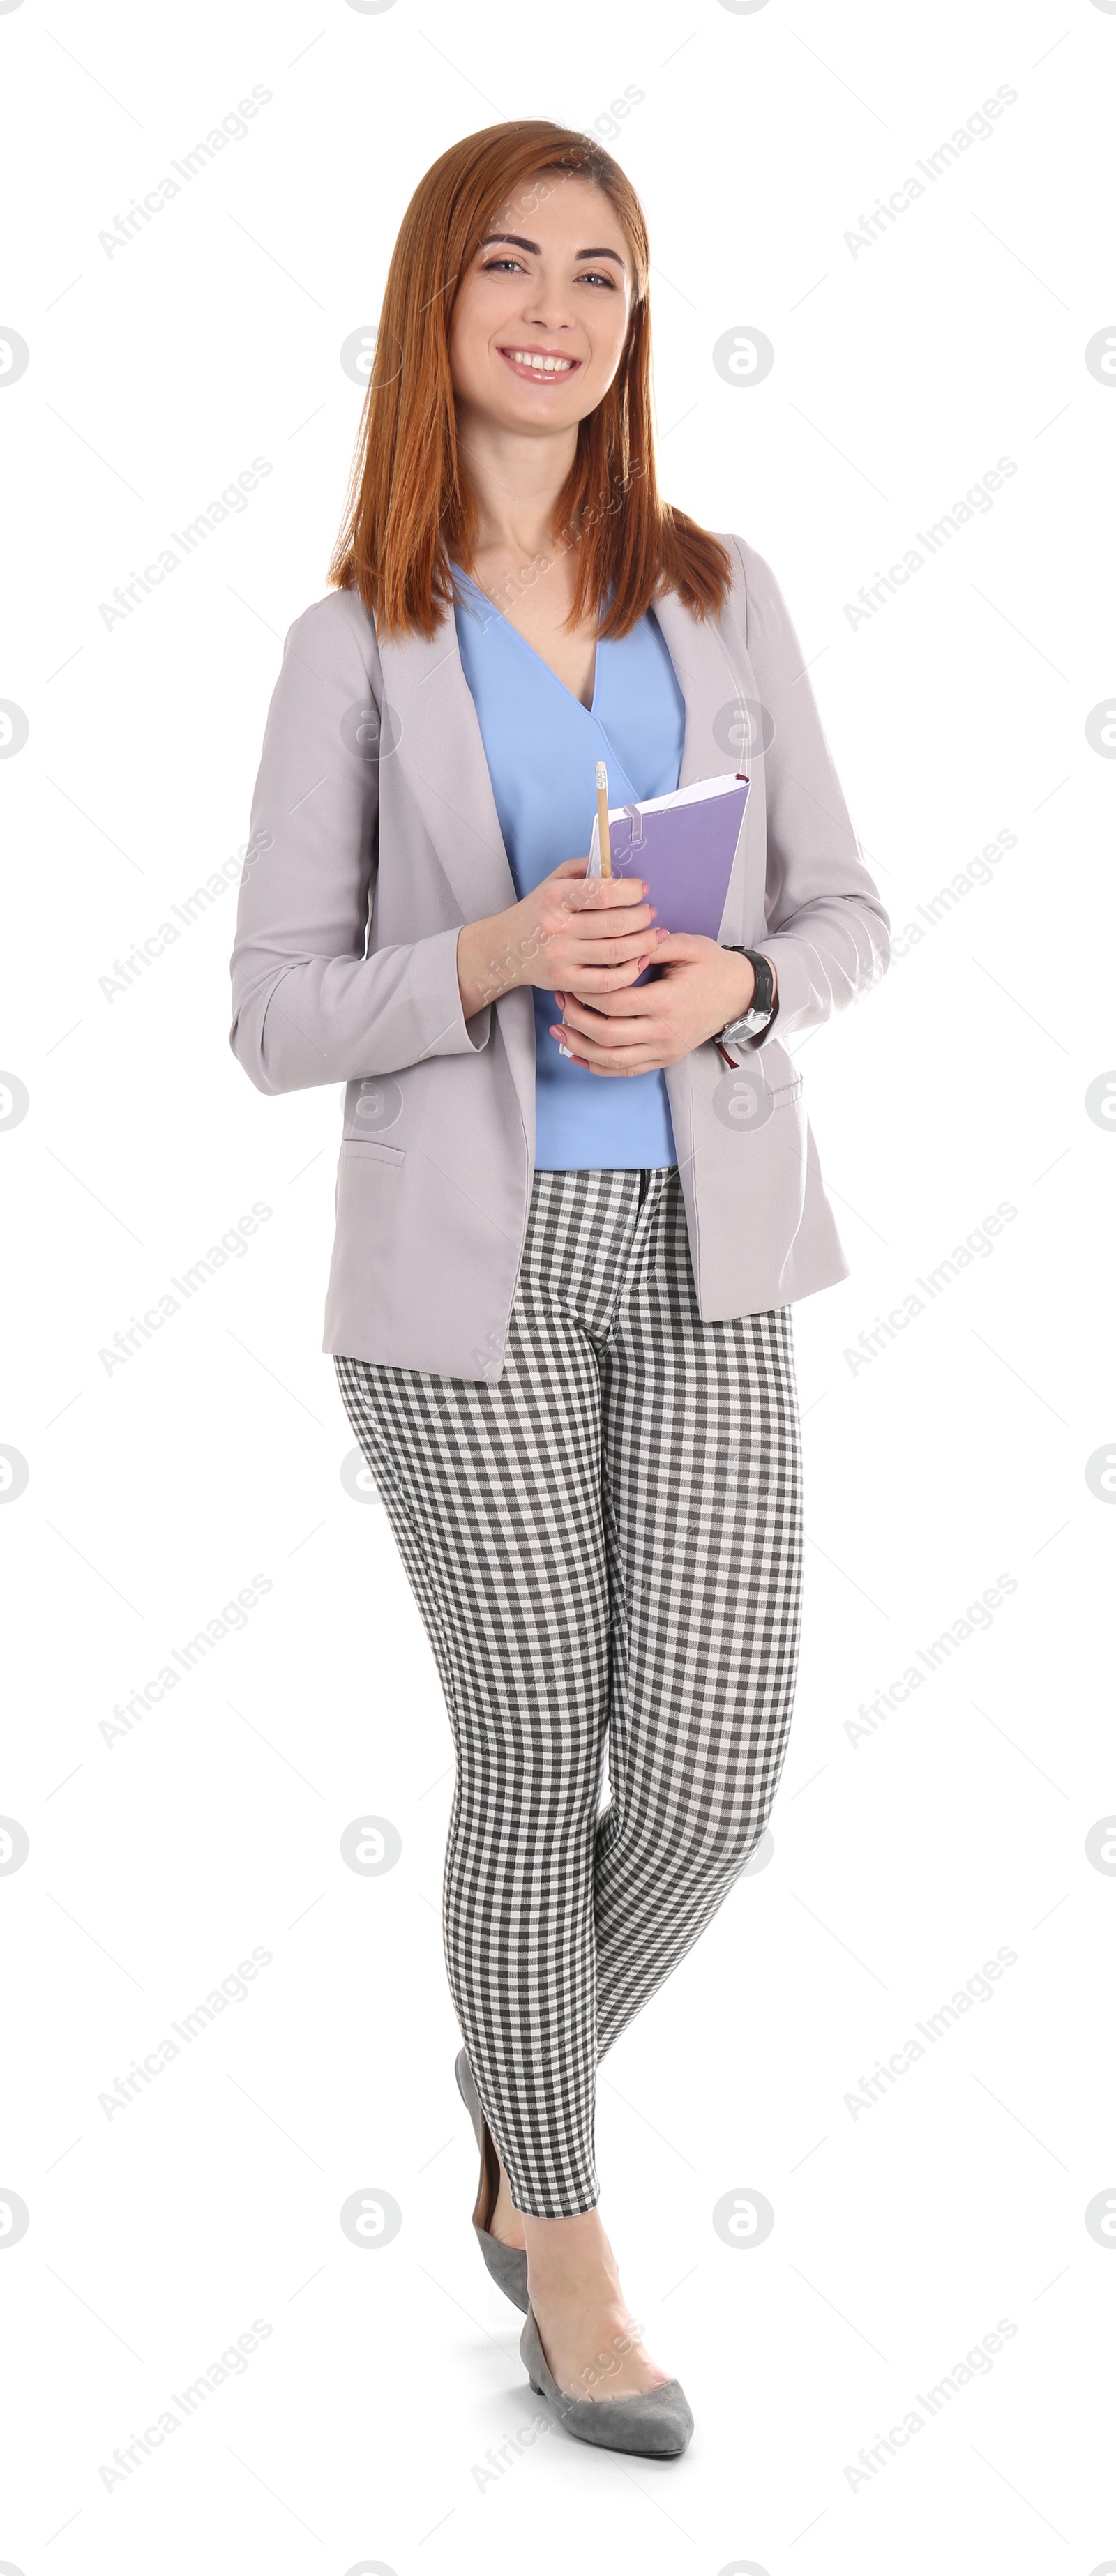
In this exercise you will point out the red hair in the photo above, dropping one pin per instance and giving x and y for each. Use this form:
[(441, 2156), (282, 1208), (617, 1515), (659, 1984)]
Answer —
[(410, 510)]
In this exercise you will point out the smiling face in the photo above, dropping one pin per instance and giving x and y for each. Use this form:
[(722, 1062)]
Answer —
[(539, 325)]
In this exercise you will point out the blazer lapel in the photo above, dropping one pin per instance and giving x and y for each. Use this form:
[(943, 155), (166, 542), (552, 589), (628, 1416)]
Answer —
[(717, 692), (441, 756), (442, 762), (709, 684)]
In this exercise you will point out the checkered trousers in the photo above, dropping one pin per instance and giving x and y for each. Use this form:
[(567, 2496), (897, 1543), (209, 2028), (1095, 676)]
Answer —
[(605, 1545)]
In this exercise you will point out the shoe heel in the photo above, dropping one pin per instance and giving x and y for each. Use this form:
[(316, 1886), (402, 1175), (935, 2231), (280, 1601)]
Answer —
[(507, 2264)]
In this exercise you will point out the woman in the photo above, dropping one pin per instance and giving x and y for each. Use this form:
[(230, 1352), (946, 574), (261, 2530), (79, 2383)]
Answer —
[(568, 1238)]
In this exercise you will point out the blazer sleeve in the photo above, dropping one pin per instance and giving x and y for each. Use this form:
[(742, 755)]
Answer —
[(309, 1005), (827, 934)]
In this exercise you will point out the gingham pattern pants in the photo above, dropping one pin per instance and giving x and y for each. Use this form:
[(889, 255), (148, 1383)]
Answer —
[(605, 1545)]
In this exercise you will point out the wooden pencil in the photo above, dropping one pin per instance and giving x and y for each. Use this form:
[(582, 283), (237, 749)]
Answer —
[(602, 819)]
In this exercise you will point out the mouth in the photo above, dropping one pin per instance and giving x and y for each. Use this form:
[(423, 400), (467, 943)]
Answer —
[(540, 366)]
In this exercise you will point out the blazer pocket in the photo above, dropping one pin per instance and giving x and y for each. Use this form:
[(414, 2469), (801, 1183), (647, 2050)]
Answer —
[(366, 1149), (784, 1093), (777, 1068)]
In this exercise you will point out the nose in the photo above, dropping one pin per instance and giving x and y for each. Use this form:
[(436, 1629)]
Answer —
[(545, 307)]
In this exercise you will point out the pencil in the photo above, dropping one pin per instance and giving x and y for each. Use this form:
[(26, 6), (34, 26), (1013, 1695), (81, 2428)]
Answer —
[(602, 820)]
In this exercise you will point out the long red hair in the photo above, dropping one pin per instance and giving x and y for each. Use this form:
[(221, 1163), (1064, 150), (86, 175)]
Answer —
[(410, 510)]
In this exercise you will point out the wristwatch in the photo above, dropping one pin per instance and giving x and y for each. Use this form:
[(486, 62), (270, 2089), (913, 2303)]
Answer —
[(761, 1009)]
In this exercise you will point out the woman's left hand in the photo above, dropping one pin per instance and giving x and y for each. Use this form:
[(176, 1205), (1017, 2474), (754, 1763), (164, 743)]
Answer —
[(652, 1025)]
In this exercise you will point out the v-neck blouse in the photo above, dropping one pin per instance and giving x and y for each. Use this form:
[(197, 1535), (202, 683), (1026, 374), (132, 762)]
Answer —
[(541, 745)]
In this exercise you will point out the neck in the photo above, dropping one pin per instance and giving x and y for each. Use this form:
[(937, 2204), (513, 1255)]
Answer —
[(516, 480)]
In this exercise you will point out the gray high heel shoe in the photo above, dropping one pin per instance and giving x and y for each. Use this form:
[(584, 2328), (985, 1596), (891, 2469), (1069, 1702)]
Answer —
[(657, 2424), (507, 2263)]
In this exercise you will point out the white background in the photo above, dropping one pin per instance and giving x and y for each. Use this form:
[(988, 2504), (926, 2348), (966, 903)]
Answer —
[(904, 1858)]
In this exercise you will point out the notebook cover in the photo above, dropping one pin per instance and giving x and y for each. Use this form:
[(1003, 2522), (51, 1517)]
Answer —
[(685, 857)]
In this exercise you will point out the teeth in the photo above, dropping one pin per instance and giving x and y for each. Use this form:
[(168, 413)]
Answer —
[(543, 366)]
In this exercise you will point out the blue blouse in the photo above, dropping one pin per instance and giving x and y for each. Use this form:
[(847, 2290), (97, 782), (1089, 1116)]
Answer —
[(542, 745)]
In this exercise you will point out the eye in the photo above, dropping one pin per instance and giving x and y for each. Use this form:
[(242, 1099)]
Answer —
[(506, 263)]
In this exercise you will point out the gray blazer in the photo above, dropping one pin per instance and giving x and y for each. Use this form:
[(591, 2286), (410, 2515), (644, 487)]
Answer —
[(374, 836)]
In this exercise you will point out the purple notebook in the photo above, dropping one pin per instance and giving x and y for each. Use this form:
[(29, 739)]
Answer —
[(683, 846)]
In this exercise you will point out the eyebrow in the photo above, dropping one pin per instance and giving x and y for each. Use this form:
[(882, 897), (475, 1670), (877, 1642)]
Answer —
[(519, 243)]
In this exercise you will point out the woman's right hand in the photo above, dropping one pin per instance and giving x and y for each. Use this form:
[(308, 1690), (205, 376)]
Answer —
[(588, 936)]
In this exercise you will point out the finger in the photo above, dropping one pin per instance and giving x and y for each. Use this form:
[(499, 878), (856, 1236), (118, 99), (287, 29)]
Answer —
[(611, 948), (679, 945), (592, 984), (615, 980), (597, 893), (612, 940), (594, 1011), (562, 1038), (625, 1010), (577, 868), (597, 1056), (588, 1029), (594, 930), (617, 1069)]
